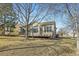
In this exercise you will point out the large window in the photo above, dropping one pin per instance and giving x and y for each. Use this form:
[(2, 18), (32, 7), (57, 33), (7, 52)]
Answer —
[(47, 29)]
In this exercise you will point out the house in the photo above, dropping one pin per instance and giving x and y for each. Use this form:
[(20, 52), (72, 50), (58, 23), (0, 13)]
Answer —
[(10, 31), (43, 29), (36, 29)]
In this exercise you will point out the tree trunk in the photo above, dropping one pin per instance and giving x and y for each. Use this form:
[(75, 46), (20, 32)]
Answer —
[(4, 25), (77, 36), (73, 34), (26, 32), (54, 36)]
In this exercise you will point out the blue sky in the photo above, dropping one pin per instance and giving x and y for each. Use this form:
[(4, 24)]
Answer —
[(59, 16)]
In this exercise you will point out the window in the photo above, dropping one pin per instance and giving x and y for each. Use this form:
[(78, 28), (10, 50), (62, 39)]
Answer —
[(47, 29), (35, 29)]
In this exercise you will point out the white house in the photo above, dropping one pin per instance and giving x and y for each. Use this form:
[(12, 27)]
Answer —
[(43, 29)]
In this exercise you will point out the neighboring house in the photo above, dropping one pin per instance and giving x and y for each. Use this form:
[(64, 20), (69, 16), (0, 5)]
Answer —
[(65, 33), (16, 30), (43, 29), (10, 31)]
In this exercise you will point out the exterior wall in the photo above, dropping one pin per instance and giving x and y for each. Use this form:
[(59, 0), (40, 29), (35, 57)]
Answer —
[(17, 29)]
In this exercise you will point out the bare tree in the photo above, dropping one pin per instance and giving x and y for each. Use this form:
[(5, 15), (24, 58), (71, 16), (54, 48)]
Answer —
[(28, 14), (73, 19)]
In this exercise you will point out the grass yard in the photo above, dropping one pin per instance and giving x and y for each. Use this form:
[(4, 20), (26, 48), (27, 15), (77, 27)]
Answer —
[(36, 46)]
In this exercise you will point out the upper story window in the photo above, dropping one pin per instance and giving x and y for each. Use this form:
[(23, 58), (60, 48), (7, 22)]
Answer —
[(47, 29)]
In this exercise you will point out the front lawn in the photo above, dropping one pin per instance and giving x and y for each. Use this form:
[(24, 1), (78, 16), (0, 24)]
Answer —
[(36, 46)]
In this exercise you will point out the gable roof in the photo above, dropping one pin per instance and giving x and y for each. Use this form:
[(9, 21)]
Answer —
[(47, 23), (40, 24), (44, 23)]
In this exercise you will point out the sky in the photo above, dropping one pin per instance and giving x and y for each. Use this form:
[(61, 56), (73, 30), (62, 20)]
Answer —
[(58, 13)]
